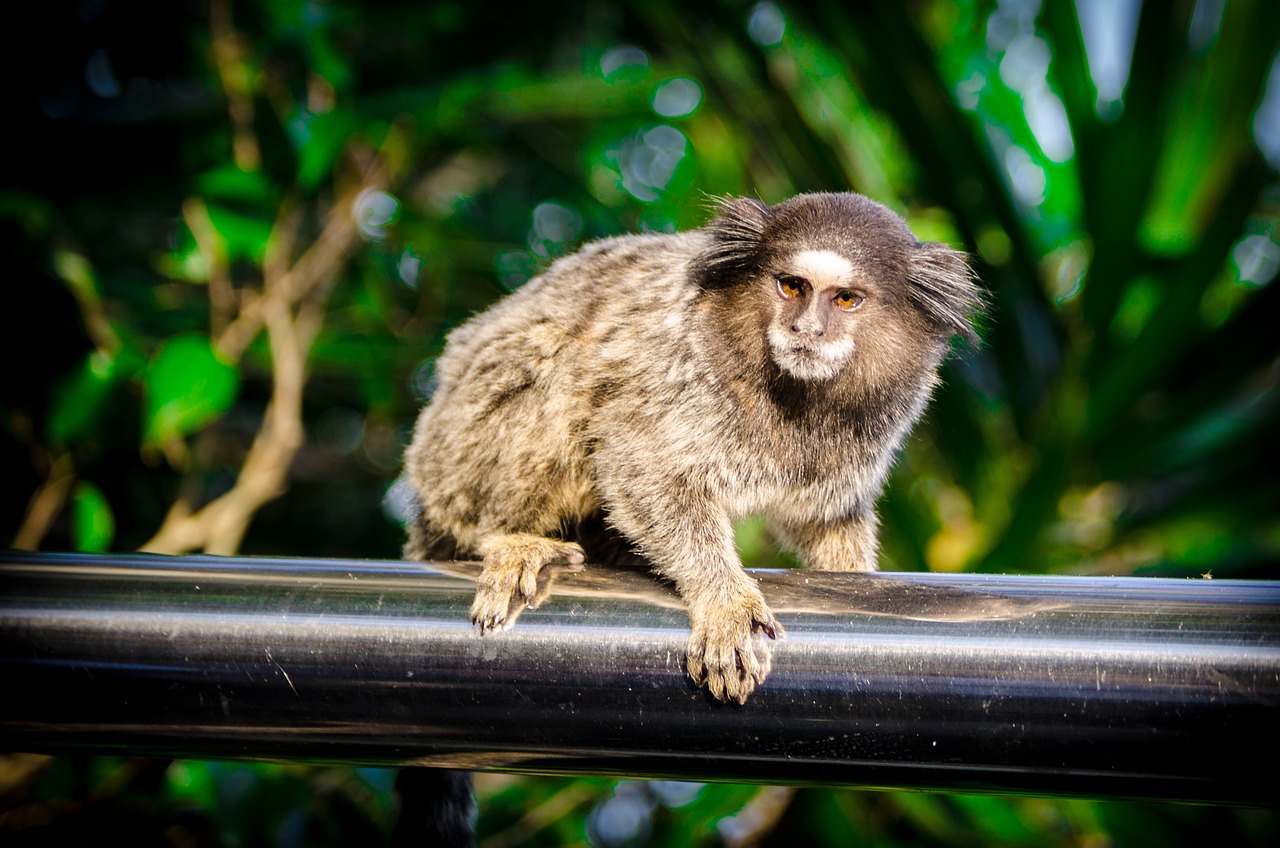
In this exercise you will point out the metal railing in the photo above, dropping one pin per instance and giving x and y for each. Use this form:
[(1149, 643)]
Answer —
[(1120, 687)]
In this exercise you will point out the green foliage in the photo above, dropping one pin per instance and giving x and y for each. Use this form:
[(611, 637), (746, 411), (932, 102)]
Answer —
[(93, 524), (186, 386), (238, 805), (79, 399), (1119, 417)]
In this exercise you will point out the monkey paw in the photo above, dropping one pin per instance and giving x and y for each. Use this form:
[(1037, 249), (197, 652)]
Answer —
[(727, 650), (515, 576)]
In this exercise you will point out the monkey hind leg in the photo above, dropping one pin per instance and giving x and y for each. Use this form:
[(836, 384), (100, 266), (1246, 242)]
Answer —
[(514, 575), (425, 543), (603, 544)]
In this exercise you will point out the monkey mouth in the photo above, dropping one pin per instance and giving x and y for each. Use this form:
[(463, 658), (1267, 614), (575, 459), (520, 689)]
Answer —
[(812, 362)]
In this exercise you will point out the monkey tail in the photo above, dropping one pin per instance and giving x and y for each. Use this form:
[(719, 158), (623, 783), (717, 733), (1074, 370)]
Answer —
[(437, 808)]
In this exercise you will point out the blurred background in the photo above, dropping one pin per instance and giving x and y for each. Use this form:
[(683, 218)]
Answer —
[(240, 232)]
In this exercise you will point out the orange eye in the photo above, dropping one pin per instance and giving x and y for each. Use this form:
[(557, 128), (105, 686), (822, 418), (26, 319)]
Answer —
[(791, 287), (847, 300)]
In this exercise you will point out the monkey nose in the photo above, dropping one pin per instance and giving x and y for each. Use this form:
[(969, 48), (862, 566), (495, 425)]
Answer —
[(806, 328)]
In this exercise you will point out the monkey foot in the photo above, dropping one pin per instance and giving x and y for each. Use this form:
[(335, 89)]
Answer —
[(515, 575), (727, 650)]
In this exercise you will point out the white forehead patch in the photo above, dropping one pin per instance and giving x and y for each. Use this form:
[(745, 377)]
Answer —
[(822, 263)]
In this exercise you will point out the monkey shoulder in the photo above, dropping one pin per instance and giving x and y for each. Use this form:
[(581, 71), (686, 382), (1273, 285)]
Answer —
[(611, 281), (626, 267), (601, 320)]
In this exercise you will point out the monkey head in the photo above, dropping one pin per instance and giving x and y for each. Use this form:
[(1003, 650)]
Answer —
[(840, 284)]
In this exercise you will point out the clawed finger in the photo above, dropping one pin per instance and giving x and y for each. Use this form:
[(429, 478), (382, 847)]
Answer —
[(693, 662), (731, 667), (529, 582)]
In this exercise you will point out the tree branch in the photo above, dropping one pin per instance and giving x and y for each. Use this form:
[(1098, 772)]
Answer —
[(291, 307)]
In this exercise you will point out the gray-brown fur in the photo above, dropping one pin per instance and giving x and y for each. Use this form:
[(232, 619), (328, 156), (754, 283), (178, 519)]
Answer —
[(672, 383)]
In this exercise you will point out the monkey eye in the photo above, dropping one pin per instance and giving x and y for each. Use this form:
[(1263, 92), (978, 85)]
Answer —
[(847, 300), (791, 287)]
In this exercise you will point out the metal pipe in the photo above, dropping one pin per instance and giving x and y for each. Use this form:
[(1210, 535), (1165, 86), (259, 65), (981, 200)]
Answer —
[(1121, 687)]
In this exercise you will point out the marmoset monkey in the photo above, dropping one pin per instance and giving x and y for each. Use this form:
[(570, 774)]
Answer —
[(769, 363)]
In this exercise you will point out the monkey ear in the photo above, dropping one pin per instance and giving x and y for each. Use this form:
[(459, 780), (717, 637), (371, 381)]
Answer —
[(943, 286), (737, 232)]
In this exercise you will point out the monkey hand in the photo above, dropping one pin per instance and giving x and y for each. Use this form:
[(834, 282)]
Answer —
[(516, 575), (726, 649)]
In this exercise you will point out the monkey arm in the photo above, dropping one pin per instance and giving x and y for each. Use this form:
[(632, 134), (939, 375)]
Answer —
[(680, 527)]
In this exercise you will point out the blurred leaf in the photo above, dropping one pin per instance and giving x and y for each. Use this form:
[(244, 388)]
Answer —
[(187, 386), (93, 523), (77, 272), (999, 820), (244, 236), (191, 780), (320, 139), (229, 183), (77, 406), (34, 212)]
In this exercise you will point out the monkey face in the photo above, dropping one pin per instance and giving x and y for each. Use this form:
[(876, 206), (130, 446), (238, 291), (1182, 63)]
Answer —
[(840, 286), (816, 300)]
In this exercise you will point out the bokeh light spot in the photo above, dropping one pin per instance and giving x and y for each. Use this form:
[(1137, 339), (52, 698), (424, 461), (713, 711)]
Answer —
[(675, 793), (101, 76), (1266, 121), (1027, 179), (425, 380), (623, 819), (555, 227), (677, 97), (1206, 23), (1257, 259), (340, 430), (766, 25), (1108, 29), (400, 503), (514, 268), (374, 210), (624, 62), (409, 268), (649, 159)]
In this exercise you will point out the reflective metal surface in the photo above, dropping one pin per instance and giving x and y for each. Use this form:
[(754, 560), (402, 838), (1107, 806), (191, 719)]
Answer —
[(1106, 687)]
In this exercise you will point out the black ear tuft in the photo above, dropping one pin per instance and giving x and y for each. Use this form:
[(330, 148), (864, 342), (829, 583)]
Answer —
[(736, 235), (943, 285)]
